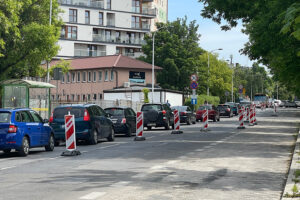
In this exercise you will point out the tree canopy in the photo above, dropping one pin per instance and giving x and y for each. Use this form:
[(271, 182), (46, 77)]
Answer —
[(26, 38), (274, 33)]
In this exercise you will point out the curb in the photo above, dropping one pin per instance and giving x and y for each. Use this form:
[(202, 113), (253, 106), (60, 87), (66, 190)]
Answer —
[(294, 166)]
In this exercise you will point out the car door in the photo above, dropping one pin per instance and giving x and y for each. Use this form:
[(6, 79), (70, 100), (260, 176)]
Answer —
[(131, 118), (42, 131), (31, 128), (104, 122)]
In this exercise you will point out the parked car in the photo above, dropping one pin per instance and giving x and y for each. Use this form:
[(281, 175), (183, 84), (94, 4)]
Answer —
[(283, 102), (225, 110), (123, 118), (91, 123), (234, 107), (22, 129), (297, 103), (186, 114), (289, 104), (158, 115), (213, 113)]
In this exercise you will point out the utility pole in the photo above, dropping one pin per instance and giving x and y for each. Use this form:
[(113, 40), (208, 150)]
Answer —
[(50, 22), (231, 64)]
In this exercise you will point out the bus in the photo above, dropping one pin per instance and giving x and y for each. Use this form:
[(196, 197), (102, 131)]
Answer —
[(260, 100)]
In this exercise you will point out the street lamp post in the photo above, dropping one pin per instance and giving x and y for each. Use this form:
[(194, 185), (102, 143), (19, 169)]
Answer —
[(50, 22), (208, 68), (153, 61)]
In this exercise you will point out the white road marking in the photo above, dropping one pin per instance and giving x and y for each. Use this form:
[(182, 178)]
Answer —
[(93, 195), (171, 162), (4, 168), (120, 184), (150, 137), (108, 146), (158, 167)]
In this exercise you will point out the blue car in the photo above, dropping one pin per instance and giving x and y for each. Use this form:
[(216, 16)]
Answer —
[(22, 129)]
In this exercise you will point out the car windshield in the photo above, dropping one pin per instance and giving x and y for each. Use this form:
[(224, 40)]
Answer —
[(230, 104), (179, 108), (222, 107), (4, 117), (151, 107), (59, 113), (209, 107), (115, 111)]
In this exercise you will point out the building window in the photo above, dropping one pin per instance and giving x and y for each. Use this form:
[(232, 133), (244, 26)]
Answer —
[(78, 76), (87, 17), (94, 76), (83, 97), (100, 96), (69, 32), (100, 18), (72, 15), (108, 4), (73, 97), (136, 6), (89, 76), (73, 77), (111, 75), (135, 22), (78, 97), (83, 76), (62, 78), (89, 97), (106, 75), (95, 97), (100, 75), (68, 78), (68, 98)]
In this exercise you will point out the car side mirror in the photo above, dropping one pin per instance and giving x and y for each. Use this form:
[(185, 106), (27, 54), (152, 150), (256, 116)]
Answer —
[(46, 121)]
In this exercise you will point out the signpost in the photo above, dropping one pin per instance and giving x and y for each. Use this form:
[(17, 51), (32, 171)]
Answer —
[(194, 86)]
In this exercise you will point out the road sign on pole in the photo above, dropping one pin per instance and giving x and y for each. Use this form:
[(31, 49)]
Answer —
[(193, 101), (194, 85), (194, 78)]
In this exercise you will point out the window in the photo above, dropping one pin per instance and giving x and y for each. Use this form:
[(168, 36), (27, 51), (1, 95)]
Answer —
[(73, 97), (78, 76), (100, 96), (106, 75), (118, 36), (136, 6), (26, 117), (68, 78), (108, 4), (100, 75), (69, 32), (83, 76), (73, 77), (72, 15), (62, 78), (135, 22), (95, 97), (111, 75), (94, 76), (68, 97), (83, 97), (89, 97), (87, 17), (89, 76), (78, 97), (100, 18)]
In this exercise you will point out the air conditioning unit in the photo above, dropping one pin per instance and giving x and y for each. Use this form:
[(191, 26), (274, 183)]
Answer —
[(126, 84)]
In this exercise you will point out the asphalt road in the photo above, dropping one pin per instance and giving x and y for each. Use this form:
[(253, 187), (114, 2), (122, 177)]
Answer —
[(224, 163)]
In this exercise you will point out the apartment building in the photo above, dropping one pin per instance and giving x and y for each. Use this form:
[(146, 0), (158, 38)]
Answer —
[(108, 27)]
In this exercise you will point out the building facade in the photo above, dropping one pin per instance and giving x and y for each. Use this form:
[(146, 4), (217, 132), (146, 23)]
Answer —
[(108, 27), (89, 77)]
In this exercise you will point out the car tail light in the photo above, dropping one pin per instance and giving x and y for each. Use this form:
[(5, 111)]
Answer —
[(86, 116), (183, 113), (12, 129), (123, 121), (51, 118), (228, 109), (164, 112)]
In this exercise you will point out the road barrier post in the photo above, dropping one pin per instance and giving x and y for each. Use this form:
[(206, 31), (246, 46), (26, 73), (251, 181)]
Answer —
[(247, 114), (251, 116), (241, 118), (70, 135), (205, 120), (176, 123), (139, 127), (254, 116)]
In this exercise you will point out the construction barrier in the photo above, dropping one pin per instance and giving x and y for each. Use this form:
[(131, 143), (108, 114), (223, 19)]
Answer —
[(70, 136), (247, 114), (176, 123), (205, 120), (139, 127), (251, 122), (241, 118), (254, 115)]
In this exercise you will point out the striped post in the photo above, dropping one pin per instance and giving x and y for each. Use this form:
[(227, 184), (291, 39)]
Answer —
[(139, 127), (251, 116), (205, 120), (254, 116), (241, 118), (247, 114), (176, 123)]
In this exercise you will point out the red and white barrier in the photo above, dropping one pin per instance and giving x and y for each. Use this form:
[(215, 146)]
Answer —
[(176, 123), (70, 136), (241, 118), (205, 120), (139, 126), (254, 116), (247, 114), (275, 110), (251, 120)]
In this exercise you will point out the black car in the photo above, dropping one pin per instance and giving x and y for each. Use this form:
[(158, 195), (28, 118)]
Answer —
[(91, 123), (225, 110), (158, 115), (123, 118), (233, 107), (186, 114)]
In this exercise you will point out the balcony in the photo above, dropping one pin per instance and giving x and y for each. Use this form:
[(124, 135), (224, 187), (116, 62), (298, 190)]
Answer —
[(149, 11), (110, 22), (119, 40), (88, 53), (87, 3)]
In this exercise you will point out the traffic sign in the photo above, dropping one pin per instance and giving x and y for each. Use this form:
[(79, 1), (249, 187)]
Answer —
[(194, 85), (194, 77), (241, 86), (244, 91), (194, 101)]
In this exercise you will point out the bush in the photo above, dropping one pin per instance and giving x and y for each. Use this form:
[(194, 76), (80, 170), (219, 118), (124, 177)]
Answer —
[(201, 99)]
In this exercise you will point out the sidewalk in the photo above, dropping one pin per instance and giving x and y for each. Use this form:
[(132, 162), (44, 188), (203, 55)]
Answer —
[(292, 187)]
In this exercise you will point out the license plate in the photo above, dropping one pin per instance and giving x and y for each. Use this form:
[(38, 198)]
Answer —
[(62, 126), (151, 124)]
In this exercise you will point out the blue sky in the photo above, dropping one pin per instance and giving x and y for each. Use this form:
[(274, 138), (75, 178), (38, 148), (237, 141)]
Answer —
[(211, 35)]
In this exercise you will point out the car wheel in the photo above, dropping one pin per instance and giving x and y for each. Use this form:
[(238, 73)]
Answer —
[(129, 131), (7, 151), (188, 121), (111, 137), (194, 122), (24, 151), (215, 119), (94, 137), (51, 144), (167, 126)]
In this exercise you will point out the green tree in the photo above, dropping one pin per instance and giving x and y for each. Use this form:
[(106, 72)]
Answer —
[(26, 38), (273, 29)]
